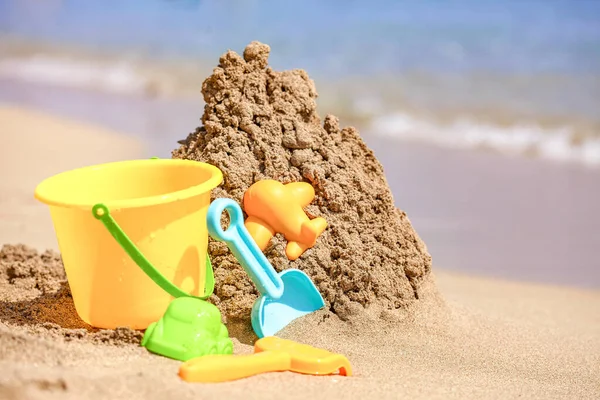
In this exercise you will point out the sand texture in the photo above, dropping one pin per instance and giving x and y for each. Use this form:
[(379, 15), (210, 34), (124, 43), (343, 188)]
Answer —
[(488, 340), (467, 338), (262, 124)]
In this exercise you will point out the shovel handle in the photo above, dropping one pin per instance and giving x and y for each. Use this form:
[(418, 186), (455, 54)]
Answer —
[(243, 247)]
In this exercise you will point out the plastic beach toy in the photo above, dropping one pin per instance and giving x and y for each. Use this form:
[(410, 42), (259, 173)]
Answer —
[(271, 354), (284, 296), (162, 205), (101, 212), (273, 207), (190, 328)]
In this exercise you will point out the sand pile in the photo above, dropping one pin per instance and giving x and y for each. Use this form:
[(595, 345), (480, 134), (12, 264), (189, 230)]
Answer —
[(262, 124), (35, 295)]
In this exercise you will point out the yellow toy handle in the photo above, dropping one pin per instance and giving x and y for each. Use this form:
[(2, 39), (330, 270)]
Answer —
[(227, 367)]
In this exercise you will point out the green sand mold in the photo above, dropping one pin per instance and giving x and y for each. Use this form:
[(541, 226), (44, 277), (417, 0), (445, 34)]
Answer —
[(189, 328)]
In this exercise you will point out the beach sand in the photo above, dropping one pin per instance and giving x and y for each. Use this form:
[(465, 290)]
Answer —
[(468, 337)]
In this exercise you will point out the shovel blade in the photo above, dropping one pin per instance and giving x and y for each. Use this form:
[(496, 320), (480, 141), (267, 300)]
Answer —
[(300, 297)]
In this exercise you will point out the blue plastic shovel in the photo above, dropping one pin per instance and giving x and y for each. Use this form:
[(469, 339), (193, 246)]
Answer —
[(285, 296)]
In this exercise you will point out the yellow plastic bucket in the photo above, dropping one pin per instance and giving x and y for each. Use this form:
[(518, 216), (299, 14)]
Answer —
[(161, 205)]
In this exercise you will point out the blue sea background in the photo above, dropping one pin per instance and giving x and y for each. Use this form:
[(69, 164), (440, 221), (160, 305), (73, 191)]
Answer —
[(418, 78), (516, 76), (334, 37)]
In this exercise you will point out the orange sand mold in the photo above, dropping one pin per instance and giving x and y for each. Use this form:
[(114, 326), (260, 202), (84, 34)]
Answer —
[(273, 207)]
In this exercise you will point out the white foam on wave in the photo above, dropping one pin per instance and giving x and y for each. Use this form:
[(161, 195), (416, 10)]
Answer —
[(120, 77), (556, 144), (123, 76)]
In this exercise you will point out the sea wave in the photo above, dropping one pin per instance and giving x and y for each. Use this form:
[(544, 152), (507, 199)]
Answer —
[(115, 74), (141, 77), (119, 77), (559, 144)]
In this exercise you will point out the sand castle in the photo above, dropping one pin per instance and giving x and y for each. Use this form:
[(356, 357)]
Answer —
[(262, 124)]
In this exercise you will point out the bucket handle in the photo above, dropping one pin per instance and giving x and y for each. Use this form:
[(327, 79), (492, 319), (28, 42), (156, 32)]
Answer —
[(101, 212)]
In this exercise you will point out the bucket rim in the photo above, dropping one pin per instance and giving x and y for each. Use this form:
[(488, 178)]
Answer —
[(42, 194)]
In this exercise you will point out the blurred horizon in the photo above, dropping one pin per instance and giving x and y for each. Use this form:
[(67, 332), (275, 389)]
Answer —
[(520, 77)]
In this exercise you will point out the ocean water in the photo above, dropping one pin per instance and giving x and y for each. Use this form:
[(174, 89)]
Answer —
[(512, 76)]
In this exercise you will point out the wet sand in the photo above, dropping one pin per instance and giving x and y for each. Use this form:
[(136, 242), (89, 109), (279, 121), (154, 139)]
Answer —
[(499, 216)]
